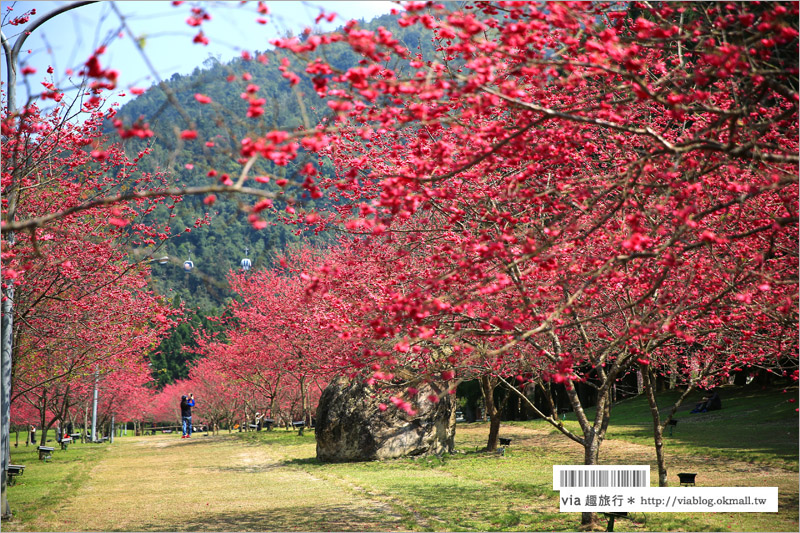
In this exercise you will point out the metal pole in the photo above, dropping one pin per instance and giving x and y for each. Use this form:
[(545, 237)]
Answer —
[(112, 429), (5, 388), (94, 409)]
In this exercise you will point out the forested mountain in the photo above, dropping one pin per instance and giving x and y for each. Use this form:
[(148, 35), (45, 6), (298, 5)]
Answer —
[(219, 245), (175, 354), (215, 236)]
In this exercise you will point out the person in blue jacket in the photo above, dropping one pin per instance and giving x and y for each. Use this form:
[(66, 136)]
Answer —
[(187, 402)]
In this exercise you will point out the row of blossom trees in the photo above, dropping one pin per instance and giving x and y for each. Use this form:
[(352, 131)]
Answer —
[(83, 314), (569, 192), (278, 354), (573, 191)]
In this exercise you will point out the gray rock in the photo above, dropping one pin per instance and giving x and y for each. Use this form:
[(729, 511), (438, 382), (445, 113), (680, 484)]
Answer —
[(351, 427)]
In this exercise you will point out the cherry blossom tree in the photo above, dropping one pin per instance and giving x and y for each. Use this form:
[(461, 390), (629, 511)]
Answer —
[(284, 341), (219, 392), (110, 318), (612, 176), (133, 405)]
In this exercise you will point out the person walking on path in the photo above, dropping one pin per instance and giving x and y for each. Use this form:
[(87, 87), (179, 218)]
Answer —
[(187, 402)]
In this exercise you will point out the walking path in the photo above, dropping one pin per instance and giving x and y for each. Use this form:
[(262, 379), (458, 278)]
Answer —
[(164, 483)]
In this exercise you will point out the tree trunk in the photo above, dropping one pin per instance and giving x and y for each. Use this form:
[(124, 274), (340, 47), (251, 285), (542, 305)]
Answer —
[(488, 384), (593, 436), (591, 454), (658, 429), (43, 426), (85, 424), (304, 396), (273, 400)]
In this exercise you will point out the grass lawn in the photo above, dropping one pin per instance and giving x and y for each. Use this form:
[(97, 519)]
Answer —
[(754, 425), (271, 481)]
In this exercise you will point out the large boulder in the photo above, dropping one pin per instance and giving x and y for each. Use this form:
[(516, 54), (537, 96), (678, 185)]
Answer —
[(350, 425)]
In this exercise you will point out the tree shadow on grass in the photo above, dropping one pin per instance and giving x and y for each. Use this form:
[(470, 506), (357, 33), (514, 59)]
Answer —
[(527, 489), (308, 461), (788, 501), (243, 469), (285, 518)]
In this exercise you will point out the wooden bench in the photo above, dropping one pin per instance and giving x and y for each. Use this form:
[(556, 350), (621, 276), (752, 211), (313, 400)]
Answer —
[(75, 437), (686, 478), (65, 442), (504, 441), (13, 471), (45, 453)]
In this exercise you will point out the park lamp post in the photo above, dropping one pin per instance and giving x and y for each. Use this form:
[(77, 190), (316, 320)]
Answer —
[(94, 406)]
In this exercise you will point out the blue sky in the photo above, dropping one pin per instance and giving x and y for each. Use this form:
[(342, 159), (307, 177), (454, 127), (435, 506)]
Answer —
[(68, 40)]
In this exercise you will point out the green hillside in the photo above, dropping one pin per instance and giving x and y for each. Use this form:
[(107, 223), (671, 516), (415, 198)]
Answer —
[(218, 246), (756, 423)]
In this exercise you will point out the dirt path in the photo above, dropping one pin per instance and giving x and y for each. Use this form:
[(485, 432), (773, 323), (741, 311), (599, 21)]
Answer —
[(164, 483)]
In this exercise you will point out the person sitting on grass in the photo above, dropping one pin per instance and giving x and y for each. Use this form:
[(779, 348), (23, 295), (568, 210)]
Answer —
[(708, 403)]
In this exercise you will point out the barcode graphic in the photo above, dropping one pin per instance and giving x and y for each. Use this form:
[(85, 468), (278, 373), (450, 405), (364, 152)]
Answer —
[(616, 476), (603, 478)]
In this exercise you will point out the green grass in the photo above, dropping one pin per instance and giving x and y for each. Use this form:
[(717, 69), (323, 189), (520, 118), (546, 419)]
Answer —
[(42, 483), (468, 491), (754, 425), (477, 491)]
